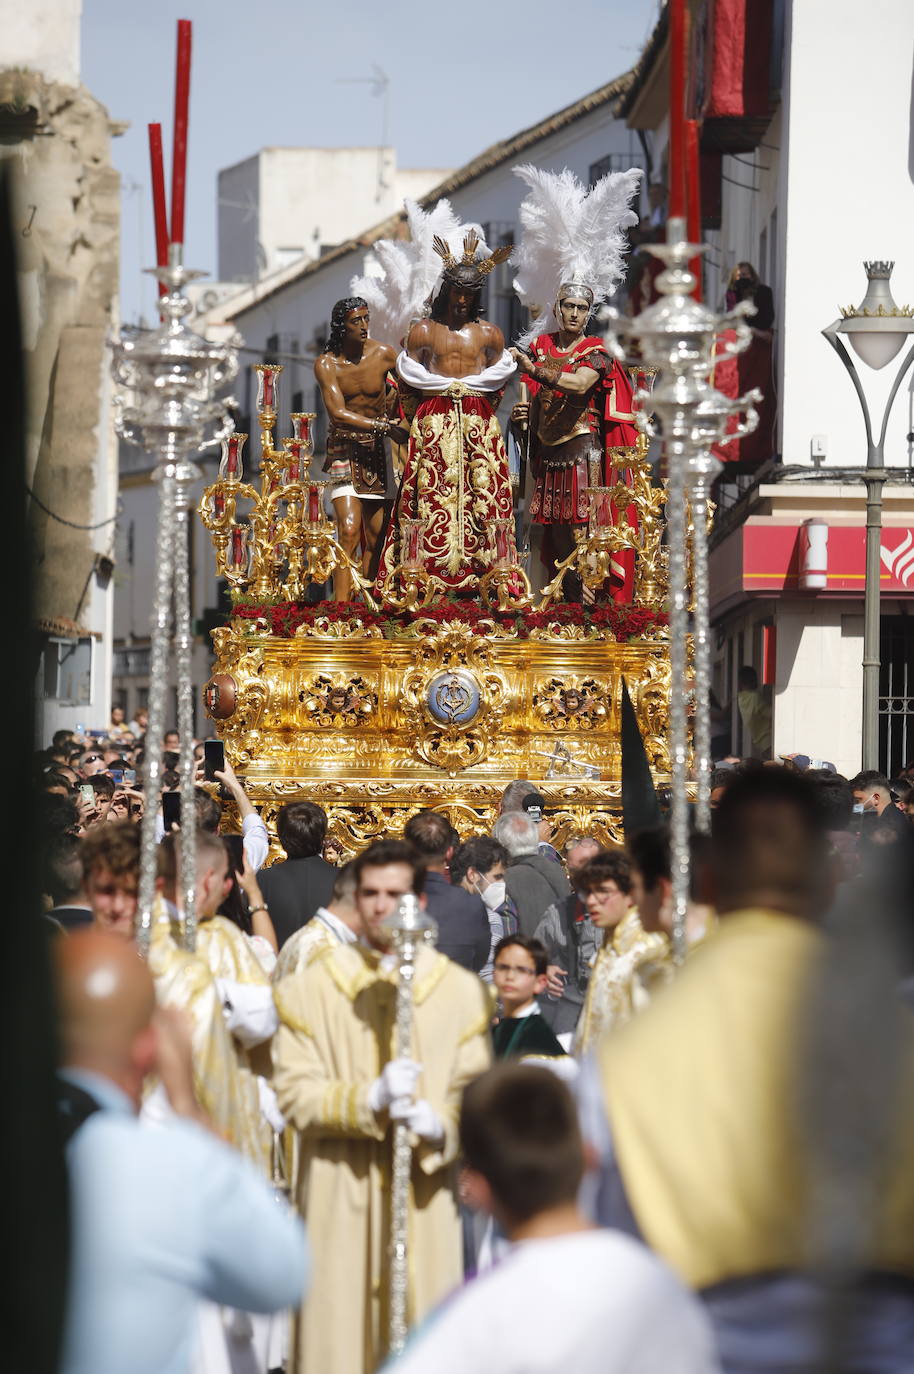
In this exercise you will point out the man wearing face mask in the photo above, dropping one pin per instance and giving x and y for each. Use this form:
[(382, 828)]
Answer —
[(479, 867), (463, 925), (874, 806)]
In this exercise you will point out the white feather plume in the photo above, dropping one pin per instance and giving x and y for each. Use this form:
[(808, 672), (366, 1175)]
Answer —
[(570, 234), (409, 271)]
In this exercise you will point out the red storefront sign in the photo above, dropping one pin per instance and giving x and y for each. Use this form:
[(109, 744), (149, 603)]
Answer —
[(771, 559)]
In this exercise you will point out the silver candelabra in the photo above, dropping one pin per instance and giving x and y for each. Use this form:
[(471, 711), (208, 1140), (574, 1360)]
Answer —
[(168, 406), (677, 335), (409, 928)]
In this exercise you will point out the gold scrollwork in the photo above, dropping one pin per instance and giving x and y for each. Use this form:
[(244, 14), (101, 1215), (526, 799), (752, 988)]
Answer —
[(571, 703), (241, 654), (652, 706), (453, 744), (356, 816), (338, 700)]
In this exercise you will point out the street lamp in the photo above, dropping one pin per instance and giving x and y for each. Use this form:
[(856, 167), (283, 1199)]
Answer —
[(876, 329)]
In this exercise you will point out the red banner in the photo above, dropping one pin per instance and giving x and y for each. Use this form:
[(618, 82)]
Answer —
[(771, 559)]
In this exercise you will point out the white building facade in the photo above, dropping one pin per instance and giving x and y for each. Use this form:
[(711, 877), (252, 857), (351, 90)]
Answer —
[(807, 191)]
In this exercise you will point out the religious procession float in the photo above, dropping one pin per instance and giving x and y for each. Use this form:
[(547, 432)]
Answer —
[(464, 645), (455, 601)]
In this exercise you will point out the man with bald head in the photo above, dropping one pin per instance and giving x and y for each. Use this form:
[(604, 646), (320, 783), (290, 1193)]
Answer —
[(162, 1216)]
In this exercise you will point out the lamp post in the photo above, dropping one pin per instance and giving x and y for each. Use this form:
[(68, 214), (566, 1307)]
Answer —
[(877, 329)]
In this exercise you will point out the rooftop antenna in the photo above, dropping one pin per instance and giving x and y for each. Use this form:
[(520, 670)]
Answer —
[(379, 82)]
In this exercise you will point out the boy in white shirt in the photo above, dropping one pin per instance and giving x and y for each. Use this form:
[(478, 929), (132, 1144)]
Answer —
[(568, 1296)]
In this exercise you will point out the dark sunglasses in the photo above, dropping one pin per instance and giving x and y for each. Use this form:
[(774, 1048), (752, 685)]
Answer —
[(92, 758)]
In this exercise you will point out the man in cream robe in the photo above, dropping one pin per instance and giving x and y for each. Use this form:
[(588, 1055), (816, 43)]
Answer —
[(242, 988), (694, 1110), (336, 1085), (333, 925)]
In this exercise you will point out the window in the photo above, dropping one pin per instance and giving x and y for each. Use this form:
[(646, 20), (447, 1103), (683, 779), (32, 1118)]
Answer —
[(615, 162), (132, 662), (896, 693), (65, 671), (500, 303)]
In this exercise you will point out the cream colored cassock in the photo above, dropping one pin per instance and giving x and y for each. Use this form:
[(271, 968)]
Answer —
[(335, 1035)]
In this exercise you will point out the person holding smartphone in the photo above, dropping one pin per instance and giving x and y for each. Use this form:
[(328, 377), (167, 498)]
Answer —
[(253, 831)]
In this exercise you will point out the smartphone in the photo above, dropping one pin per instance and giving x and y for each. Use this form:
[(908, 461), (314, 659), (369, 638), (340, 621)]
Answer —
[(87, 792), (118, 776), (213, 759), (171, 810), (130, 777)]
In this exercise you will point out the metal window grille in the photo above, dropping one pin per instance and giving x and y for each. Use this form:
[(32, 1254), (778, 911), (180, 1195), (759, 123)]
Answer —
[(896, 693)]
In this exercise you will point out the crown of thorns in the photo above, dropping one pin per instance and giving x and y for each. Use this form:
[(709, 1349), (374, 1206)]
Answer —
[(470, 244)]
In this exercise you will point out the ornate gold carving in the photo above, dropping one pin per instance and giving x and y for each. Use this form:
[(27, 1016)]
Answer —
[(651, 701), (570, 703), (243, 656), (339, 700), (356, 817), (452, 699)]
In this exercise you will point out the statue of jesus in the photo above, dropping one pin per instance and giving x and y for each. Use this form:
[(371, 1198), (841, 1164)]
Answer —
[(452, 372)]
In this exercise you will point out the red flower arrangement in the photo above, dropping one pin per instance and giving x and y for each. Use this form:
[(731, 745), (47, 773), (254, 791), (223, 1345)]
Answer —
[(622, 622)]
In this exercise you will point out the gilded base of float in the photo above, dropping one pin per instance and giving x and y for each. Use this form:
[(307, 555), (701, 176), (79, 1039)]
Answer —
[(375, 717)]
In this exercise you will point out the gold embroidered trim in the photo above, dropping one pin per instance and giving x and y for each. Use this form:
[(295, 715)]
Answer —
[(478, 1027), (431, 980), (288, 1014)]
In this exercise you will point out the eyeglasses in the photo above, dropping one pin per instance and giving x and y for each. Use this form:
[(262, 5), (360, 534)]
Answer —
[(93, 758), (515, 968)]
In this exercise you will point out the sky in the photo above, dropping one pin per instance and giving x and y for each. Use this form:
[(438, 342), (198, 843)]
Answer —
[(280, 73)]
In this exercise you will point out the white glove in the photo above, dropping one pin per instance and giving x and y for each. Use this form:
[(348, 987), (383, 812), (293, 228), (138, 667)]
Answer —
[(248, 1010), (398, 1080), (269, 1107), (421, 1118)]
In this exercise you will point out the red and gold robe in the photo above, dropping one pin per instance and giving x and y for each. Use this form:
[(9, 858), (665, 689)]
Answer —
[(578, 441), (456, 480)]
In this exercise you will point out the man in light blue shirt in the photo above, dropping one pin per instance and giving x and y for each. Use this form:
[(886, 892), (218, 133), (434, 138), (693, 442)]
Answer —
[(162, 1216)]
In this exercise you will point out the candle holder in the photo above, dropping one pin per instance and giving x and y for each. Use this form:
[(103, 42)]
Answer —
[(677, 335), (290, 541), (168, 403), (505, 587), (231, 464), (301, 429), (594, 547), (409, 586)]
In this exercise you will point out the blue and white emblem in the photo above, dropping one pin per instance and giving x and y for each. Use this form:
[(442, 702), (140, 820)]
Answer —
[(453, 697)]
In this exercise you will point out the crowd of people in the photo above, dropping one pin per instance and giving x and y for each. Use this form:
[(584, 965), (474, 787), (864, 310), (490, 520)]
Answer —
[(645, 1178)]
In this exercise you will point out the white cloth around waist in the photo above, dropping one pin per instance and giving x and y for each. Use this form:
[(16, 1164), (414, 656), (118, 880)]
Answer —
[(492, 378)]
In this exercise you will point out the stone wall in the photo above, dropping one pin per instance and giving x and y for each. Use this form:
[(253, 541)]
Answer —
[(69, 207)]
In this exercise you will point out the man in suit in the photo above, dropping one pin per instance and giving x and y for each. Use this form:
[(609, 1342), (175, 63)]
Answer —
[(63, 882), (463, 925), (294, 890), (534, 882)]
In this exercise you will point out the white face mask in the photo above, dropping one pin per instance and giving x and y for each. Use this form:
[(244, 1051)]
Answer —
[(493, 894)]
